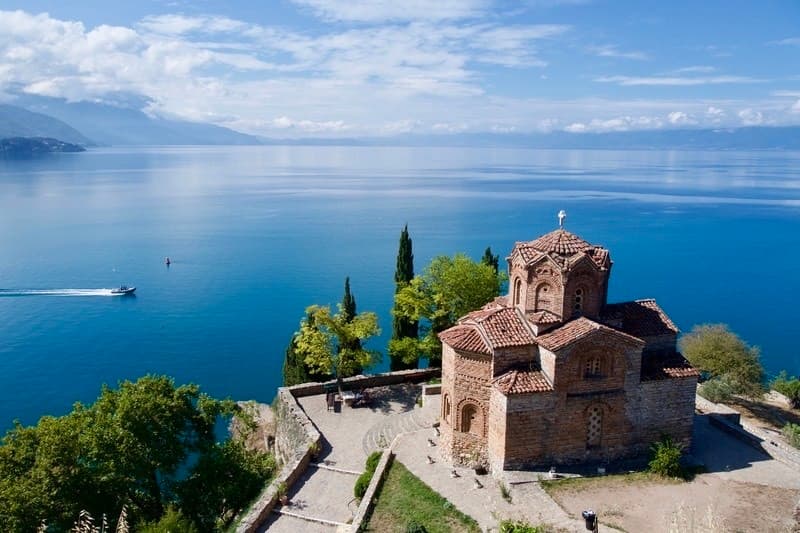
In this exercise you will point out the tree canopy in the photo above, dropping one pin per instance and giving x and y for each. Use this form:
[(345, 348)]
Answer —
[(331, 344), (717, 351), (131, 447), (403, 327), (449, 288)]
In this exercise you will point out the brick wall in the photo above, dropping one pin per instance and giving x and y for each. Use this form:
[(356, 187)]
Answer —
[(514, 356), (667, 407)]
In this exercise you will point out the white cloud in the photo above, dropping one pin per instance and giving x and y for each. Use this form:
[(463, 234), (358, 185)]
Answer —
[(610, 50), (393, 10), (679, 118), (714, 114), (623, 123), (796, 107), (676, 80), (791, 41), (751, 117), (176, 25), (703, 69)]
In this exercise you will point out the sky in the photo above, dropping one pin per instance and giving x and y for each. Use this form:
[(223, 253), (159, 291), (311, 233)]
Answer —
[(358, 68)]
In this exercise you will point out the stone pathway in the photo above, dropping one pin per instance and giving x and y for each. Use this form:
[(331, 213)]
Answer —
[(380, 435)]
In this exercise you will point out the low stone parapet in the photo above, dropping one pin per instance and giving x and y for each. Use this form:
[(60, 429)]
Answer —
[(367, 502), (365, 382)]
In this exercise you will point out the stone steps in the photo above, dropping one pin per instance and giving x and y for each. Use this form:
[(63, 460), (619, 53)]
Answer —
[(381, 435)]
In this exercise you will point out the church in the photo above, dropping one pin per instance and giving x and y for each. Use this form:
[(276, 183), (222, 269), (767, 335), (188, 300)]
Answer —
[(553, 374)]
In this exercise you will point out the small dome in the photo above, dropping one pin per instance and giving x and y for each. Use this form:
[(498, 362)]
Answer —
[(560, 242)]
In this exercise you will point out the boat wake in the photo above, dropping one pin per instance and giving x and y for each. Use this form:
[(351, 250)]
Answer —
[(55, 292)]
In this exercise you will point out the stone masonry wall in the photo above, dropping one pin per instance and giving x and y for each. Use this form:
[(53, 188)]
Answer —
[(667, 407), (514, 356), (465, 382)]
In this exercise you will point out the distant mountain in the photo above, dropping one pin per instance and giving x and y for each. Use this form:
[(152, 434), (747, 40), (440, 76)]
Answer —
[(18, 122), (22, 147), (750, 138), (124, 123)]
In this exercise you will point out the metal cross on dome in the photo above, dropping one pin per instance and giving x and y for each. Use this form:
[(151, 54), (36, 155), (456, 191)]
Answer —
[(561, 216)]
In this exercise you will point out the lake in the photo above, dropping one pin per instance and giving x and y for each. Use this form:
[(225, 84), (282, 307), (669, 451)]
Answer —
[(256, 234)]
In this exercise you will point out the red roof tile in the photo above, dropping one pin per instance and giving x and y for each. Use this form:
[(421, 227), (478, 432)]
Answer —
[(641, 318), (521, 382), (560, 242), (664, 367), (501, 327), (543, 317), (574, 330), (465, 338)]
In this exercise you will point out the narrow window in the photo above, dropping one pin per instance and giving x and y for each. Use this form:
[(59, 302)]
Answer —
[(469, 419), (594, 427), (578, 307), (591, 368), (517, 292), (447, 408)]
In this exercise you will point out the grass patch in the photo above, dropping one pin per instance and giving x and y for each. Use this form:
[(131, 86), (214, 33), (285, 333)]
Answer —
[(404, 499), (577, 484)]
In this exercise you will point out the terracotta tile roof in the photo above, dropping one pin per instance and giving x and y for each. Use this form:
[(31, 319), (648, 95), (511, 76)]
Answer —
[(503, 327), (665, 367), (574, 330), (599, 255), (465, 338), (522, 382), (560, 242), (543, 317), (641, 318), (500, 301)]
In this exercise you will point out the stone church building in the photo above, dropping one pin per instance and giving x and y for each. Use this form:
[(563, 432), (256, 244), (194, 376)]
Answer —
[(553, 374)]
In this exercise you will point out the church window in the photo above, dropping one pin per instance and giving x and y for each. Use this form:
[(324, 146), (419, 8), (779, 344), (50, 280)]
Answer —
[(579, 294), (543, 297), (470, 420), (447, 407), (591, 368), (517, 291), (594, 427)]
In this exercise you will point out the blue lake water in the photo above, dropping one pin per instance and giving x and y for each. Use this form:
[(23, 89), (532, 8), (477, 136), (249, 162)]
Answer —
[(256, 234)]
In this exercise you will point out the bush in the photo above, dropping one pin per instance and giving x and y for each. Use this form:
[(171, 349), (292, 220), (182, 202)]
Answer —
[(717, 390), (792, 434), (363, 480), (666, 460), (788, 386), (518, 526), (415, 527), (172, 521), (716, 350)]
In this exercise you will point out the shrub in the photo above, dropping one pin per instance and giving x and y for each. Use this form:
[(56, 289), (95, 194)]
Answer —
[(519, 526), (415, 527), (788, 386), (717, 390), (172, 521), (792, 434), (363, 480), (666, 459)]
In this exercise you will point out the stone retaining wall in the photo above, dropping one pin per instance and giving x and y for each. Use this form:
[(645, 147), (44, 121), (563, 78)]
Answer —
[(367, 502), (296, 440), (365, 382)]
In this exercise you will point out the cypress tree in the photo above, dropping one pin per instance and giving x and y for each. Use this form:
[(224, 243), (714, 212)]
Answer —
[(490, 259), (348, 312), (294, 369), (403, 274)]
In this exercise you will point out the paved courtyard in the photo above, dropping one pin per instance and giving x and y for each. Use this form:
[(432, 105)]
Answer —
[(322, 501)]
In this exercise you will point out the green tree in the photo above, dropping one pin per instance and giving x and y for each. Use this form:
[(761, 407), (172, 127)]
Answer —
[(449, 288), (349, 312), (172, 522), (491, 259), (131, 447), (294, 368), (327, 342), (717, 351), (402, 326), (788, 386)]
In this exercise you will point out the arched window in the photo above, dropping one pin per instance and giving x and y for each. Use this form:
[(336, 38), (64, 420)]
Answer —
[(446, 408), (594, 426), (544, 297), (578, 302), (470, 420), (591, 368), (517, 291)]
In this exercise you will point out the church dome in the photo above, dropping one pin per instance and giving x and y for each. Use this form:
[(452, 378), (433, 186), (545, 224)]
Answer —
[(560, 242)]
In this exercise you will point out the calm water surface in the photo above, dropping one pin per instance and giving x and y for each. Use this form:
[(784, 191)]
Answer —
[(256, 234)]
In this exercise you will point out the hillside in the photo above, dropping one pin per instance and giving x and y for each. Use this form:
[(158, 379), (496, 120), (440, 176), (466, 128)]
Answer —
[(18, 122), (22, 147)]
